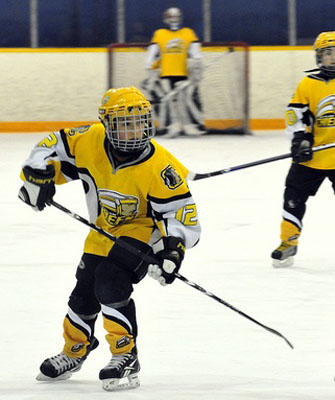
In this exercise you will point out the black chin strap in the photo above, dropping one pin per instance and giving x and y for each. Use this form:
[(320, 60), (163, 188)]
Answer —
[(312, 70), (121, 157), (324, 74)]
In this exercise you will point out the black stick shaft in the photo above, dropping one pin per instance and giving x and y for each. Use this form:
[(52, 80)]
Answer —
[(153, 260), (193, 176), (108, 235), (218, 299)]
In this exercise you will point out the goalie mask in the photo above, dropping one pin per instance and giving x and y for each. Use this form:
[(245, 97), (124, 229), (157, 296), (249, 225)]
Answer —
[(127, 117), (324, 47), (173, 18)]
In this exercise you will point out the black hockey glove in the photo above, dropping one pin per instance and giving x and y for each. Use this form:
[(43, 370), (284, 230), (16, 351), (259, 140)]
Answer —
[(170, 251), (39, 187), (301, 148)]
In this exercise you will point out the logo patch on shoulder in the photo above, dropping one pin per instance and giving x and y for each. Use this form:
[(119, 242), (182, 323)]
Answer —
[(79, 129), (171, 177)]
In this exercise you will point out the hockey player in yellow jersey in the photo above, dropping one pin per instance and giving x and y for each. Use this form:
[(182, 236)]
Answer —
[(136, 190), (310, 120), (174, 69)]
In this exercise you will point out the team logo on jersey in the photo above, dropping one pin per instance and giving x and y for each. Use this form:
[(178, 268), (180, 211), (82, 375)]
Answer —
[(325, 112), (171, 178), (175, 46), (117, 208)]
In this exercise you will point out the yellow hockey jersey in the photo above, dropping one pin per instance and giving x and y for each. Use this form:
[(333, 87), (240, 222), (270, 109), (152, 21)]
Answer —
[(140, 198), (312, 109), (173, 46)]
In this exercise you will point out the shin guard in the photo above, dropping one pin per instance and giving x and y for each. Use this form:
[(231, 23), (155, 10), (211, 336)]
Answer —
[(289, 233), (78, 334), (120, 323)]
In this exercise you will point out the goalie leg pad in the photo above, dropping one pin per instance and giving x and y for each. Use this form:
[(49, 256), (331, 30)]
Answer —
[(170, 109)]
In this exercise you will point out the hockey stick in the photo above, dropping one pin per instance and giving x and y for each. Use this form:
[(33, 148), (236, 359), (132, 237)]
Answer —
[(214, 297), (153, 260), (193, 176)]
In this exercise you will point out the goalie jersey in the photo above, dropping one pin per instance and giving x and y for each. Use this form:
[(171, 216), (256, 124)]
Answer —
[(173, 47), (312, 109), (141, 198)]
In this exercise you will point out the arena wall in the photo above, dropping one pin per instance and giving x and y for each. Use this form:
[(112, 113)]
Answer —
[(46, 89)]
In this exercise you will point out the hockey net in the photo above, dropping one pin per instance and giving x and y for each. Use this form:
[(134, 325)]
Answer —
[(224, 89)]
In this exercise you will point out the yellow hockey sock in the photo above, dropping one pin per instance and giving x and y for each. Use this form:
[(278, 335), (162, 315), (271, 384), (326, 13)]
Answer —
[(289, 233), (76, 341), (119, 339)]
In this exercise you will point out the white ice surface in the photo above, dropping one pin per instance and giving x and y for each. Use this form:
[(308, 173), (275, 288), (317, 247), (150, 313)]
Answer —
[(189, 345)]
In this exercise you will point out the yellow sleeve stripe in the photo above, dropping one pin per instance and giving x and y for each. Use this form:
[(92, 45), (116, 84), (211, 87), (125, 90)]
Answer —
[(161, 227)]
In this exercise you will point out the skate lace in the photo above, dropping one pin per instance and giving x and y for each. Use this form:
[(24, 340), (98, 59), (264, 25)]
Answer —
[(61, 362), (119, 360)]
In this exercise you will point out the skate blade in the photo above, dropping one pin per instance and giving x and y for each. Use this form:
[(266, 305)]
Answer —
[(131, 382), (283, 263), (44, 378)]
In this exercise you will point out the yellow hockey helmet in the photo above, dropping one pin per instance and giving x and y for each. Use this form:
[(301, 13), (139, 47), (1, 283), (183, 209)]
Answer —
[(324, 41), (127, 117), (173, 18)]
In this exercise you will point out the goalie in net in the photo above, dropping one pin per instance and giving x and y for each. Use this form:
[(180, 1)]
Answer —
[(174, 70)]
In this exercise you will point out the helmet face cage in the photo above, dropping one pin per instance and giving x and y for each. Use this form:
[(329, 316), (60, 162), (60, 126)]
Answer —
[(173, 17), (129, 130), (325, 41)]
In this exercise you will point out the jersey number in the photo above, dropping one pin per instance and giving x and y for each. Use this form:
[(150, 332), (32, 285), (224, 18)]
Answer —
[(291, 117), (48, 141), (187, 215)]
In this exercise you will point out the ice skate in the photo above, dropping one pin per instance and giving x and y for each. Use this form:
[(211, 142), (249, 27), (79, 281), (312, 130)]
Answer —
[(193, 130), (121, 372), (61, 366), (173, 130), (283, 255)]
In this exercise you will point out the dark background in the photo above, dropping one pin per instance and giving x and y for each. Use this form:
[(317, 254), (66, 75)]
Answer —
[(93, 23)]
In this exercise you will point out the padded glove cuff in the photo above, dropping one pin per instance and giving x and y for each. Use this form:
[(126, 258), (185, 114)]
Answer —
[(39, 177)]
